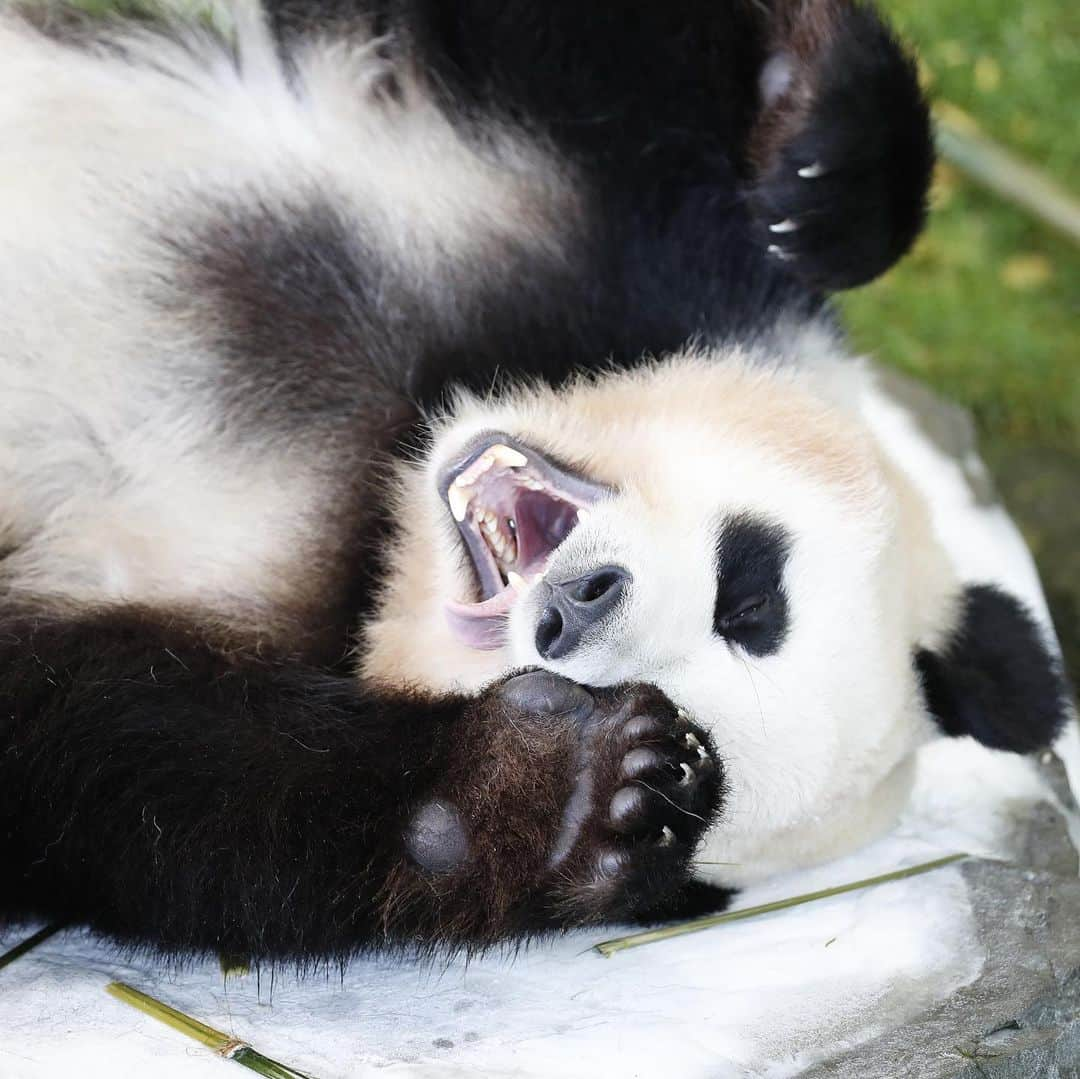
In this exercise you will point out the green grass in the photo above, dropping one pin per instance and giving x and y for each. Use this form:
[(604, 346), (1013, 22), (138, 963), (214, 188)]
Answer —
[(987, 307)]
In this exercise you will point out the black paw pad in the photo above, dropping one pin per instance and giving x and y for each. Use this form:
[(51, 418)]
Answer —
[(541, 693), (436, 838)]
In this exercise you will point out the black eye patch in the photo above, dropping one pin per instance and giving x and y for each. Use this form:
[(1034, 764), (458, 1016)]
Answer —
[(751, 607)]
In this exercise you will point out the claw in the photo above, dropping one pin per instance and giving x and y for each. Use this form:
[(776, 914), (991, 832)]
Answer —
[(778, 252), (812, 172), (691, 741), (683, 714), (787, 225), (667, 837), (687, 775)]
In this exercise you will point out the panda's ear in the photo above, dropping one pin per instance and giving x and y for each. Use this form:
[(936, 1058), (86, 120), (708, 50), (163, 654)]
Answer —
[(995, 678)]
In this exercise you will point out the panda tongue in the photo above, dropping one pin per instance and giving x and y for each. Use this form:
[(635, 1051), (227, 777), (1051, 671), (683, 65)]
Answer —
[(482, 625)]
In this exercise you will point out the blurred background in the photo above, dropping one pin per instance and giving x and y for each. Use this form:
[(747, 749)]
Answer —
[(987, 307)]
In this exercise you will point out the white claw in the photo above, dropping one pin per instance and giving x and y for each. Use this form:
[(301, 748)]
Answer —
[(691, 740), (507, 457), (780, 253), (459, 498), (682, 713), (667, 837), (516, 581), (687, 775), (812, 172), (787, 225)]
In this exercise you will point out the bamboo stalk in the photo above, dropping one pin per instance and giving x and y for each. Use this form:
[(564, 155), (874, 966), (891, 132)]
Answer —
[(1004, 174), (608, 948), (33, 941), (219, 1042)]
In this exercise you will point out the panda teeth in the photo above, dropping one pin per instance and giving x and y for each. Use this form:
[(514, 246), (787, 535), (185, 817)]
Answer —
[(462, 490), (503, 547), (507, 457), (459, 496)]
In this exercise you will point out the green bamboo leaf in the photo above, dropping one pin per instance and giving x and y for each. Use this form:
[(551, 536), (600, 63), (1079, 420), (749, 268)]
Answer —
[(609, 948), (222, 1044)]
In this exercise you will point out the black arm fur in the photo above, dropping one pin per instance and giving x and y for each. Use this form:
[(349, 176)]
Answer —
[(183, 795)]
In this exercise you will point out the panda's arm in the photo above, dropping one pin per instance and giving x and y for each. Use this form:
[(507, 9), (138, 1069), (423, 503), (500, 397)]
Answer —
[(172, 792), (166, 792)]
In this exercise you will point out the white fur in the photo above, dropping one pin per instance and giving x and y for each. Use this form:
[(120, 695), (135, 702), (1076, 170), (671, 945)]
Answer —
[(102, 395)]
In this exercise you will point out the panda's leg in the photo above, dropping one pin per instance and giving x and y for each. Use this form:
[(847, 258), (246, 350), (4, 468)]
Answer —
[(841, 148), (806, 111), (811, 109), (189, 796)]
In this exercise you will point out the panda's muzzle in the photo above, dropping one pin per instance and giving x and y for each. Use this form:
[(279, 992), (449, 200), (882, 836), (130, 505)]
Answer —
[(513, 506), (573, 608)]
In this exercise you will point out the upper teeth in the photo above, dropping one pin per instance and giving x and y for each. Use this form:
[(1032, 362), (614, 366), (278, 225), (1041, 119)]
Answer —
[(461, 490), (459, 498), (507, 457)]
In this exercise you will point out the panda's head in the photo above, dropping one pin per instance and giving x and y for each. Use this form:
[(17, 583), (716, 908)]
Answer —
[(730, 532)]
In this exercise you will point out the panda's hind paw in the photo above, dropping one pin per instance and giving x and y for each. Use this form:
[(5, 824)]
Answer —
[(842, 150)]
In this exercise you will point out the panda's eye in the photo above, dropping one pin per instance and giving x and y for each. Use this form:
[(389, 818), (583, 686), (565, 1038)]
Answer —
[(751, 608)]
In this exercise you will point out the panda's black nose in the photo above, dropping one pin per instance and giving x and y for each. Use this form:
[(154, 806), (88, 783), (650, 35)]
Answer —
[(574, 607)]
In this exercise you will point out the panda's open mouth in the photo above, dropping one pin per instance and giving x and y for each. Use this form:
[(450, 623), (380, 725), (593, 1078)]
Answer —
[(513, 506)]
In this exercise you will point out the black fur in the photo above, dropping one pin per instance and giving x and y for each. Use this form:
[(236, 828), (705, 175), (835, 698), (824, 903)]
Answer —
[(751, 608), (855, 111), (176, 783), (696, 900), (995, 679), (191, 796), (299, 286)]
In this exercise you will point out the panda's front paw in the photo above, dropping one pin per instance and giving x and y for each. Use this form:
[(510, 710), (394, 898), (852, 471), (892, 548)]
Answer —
[(645, 786), (843, 151), (554, 806)]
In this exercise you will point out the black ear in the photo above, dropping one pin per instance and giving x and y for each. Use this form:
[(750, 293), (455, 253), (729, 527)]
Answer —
[(995, 679)]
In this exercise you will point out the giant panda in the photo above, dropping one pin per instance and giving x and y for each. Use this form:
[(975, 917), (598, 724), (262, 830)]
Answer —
[(437, 503)]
